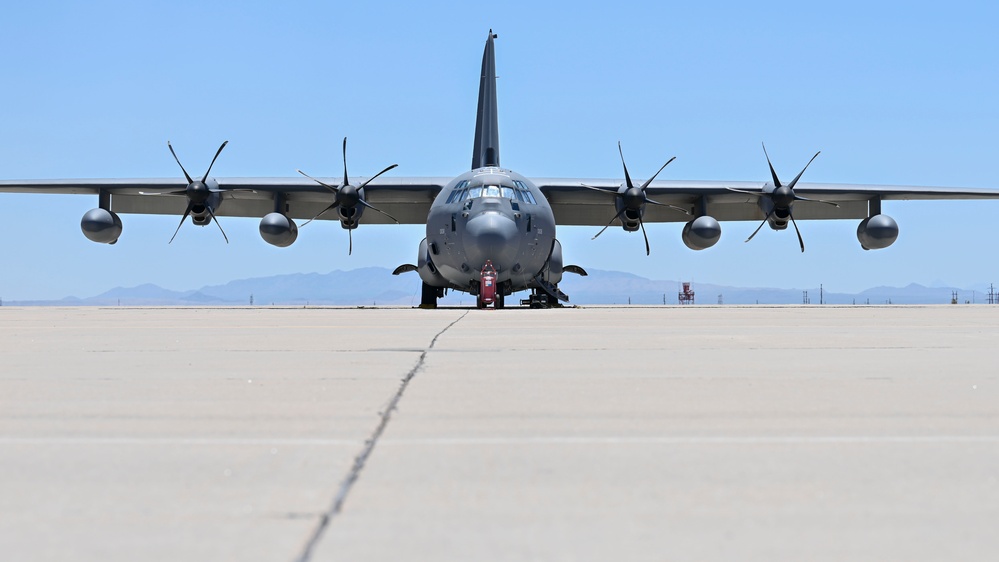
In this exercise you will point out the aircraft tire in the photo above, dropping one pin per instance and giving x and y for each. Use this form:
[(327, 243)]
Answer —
[(429, 297)]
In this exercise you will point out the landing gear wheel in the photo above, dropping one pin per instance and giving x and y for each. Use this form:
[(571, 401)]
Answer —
[(429, 297)]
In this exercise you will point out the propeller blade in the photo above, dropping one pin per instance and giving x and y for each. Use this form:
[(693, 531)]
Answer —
[(216, 221), (773, 173), (765, 219), (798, 177), (329, 187), (321, 213), (754, 193), (186, 175), (627, 177), (641, 223), (800, 240), (619, 213), (833, 203), (208, 171), (376, 175), (648, 181), (377, 210), (674, 207), (182, 219), (345, 161), (350, 241)]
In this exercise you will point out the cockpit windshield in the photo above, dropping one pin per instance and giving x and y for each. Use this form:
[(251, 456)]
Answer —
[(520, 192)]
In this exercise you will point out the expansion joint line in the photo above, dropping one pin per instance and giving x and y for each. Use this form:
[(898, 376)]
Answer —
[(369, 447)]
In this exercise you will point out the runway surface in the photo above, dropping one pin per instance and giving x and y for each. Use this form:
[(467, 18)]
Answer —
[(700, 433)]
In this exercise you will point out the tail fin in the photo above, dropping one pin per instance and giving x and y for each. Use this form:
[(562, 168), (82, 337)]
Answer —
[(486, 151)]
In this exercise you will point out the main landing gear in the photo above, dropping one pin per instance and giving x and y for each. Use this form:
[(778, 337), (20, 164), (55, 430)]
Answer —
[(430, 296)]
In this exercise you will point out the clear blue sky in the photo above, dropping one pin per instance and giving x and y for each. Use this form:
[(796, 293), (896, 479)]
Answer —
[(891, 92)]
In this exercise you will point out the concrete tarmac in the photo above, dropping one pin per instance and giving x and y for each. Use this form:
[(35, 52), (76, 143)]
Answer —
[(697, 433)]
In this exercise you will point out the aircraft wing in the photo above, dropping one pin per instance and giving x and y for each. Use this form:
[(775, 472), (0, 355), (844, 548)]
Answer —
[(574, 204), (407, 199)]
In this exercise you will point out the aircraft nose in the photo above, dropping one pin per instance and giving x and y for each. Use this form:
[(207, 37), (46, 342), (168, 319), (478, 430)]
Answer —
[(491, 236)]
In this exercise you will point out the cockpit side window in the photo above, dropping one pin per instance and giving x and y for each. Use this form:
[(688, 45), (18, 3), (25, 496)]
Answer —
[(457, 194), (524, 193)]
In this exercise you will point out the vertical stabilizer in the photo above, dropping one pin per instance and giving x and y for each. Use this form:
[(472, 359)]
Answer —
[(486, 151)]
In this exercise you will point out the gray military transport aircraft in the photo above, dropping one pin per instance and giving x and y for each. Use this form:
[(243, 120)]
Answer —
[(491, 227)]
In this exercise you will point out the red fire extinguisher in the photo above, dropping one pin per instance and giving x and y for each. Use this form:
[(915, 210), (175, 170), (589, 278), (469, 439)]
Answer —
[(487, 287)]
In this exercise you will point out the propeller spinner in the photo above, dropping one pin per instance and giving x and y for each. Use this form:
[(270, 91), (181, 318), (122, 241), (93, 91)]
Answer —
[(348, 196), (782, 198), (633, 199)]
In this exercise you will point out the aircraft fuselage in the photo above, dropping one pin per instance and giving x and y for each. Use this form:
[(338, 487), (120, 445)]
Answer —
[(490, 214)]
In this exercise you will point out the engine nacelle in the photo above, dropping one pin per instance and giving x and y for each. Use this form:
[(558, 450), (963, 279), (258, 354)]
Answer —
[(101, 226), (200, 215), (349, 216), (631, 220), (877, 232), (278, 230), (426, 268), (701, 233)]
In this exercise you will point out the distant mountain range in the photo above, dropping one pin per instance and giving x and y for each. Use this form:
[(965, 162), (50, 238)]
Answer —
[(377, 286), (615, 287)]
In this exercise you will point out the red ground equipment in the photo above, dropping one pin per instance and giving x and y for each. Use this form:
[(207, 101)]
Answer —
[(686, 296), (487, 286)]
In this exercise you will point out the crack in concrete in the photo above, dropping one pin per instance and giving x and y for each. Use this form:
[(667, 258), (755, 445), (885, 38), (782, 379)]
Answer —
[(369, 446)]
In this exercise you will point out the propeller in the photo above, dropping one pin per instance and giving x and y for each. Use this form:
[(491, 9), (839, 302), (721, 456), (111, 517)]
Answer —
[(633, 198), (197, 192), (348, 196), (782, 197)]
